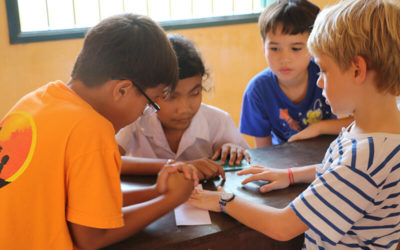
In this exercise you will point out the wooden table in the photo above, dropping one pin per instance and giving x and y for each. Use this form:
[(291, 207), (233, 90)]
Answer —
[(225, 232)]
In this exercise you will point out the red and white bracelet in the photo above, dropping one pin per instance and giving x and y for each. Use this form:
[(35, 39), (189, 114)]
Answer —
[(291, 177)]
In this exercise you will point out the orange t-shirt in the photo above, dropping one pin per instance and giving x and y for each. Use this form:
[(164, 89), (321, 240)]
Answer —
[(59, 162)]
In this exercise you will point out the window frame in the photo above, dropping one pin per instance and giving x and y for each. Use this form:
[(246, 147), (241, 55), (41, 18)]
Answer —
[(18, 37)]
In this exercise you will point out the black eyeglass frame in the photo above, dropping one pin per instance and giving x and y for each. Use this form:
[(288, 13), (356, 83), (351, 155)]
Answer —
[(153, 104)]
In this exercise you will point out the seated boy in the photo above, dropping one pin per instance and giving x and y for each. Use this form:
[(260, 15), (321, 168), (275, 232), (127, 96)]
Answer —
[(354, 196), (283, 102), (60, 166)]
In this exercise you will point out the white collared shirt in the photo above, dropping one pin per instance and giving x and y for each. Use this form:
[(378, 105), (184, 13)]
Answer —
[(210, 128)]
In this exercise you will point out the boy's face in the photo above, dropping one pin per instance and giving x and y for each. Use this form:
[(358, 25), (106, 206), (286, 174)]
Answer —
[(177, 111), (135, 104), (287, 55), (336, 85)]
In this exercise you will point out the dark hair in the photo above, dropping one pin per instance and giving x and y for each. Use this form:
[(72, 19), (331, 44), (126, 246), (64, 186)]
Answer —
[(189, 58), (295, 16), (127, 46)]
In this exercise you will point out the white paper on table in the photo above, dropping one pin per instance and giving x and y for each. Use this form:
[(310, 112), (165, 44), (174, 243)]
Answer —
[(188, 215)]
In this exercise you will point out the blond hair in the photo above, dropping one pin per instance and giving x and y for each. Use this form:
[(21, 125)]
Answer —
[(367, 28)]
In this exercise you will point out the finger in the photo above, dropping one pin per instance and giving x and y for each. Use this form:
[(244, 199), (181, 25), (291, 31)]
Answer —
[(185, 170), (294, 138), (233, 154), (239, 157), (224, 154), (250, 170), (163, 177), (255, 177), (200, 175), (206, 170), (195, 177), (221, 172), (217, 168), (216, 154), (269, 187), (247, 155), (220, 189)]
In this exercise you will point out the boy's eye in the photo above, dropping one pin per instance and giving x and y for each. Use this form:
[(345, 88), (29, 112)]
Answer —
[(273, 48), (297, 49), (196, 93)]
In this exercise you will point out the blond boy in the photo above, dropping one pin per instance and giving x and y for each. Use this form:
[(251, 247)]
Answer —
[(354, 196)]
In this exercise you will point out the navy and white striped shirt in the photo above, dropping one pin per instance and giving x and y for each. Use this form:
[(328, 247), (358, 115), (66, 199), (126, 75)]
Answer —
[(354, 202)]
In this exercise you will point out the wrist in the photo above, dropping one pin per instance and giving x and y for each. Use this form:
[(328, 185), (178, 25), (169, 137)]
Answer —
[(225, 198), (291, 176)]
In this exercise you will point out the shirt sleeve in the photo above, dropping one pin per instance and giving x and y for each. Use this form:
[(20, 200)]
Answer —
[(253, 119), (337, 199), (94, 196)]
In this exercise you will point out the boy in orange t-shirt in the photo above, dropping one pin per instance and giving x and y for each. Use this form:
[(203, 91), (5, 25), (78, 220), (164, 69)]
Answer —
[(59, 161)]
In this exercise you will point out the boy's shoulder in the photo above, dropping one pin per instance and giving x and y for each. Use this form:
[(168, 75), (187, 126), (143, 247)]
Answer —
[(371, 153), (263, 76)]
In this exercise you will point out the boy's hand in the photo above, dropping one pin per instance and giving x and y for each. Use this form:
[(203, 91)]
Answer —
[(188, 171), (235, 153), (278, 178), (179, 188), (207, 168), (208, 200), (309, 132)]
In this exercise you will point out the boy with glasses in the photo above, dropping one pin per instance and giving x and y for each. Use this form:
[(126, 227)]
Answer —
[(61, 182)]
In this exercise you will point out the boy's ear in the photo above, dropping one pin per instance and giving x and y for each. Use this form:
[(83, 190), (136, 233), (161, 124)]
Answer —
[(121, 89), (359, 67)]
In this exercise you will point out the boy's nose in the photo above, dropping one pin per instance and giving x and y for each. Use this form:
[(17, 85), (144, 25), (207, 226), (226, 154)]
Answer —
[(183, 106), (286, 56)]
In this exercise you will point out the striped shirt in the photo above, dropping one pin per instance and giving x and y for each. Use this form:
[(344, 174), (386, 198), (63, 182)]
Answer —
[(354, 202)]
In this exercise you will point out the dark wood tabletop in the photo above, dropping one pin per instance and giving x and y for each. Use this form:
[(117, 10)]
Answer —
[(225, 232)]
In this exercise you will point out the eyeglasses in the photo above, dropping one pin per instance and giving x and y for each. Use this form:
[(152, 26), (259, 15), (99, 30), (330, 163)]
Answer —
[(151, 107)]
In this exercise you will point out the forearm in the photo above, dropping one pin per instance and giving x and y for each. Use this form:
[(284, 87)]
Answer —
[(263, 141), (279, 224), (141, 166), (305, 174), (139, 216), (333, 126), (132, 197), (136, 217)]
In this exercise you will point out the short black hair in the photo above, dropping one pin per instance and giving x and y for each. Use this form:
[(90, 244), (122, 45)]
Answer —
[(295, 16), (127, 46)]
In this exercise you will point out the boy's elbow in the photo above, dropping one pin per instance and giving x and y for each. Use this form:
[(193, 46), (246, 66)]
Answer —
[(281, 235), (286, 226), (86, 237)]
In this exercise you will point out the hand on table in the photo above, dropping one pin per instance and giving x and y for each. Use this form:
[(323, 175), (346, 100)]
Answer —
[(309, 132), (233, 151), (188, 171), (179, 188), (207, 168), (278, 178), (205, 199)]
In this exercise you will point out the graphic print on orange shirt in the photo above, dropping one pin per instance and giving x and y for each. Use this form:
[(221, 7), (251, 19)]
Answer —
[(17, 144), (284, 114)]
